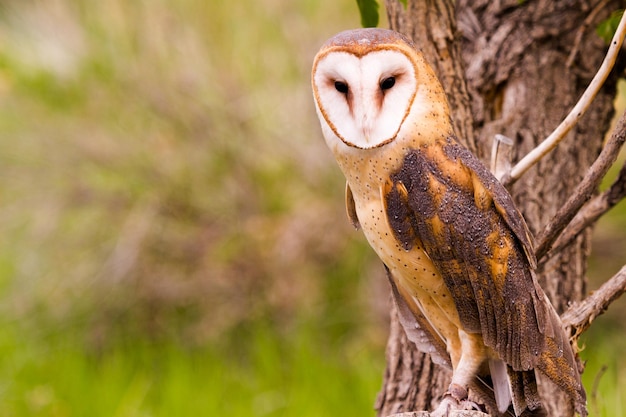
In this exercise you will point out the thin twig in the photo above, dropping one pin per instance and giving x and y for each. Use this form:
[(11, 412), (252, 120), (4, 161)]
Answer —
[(580, 315), (584, 190), (577, 112), (590, 213), (581, 31)]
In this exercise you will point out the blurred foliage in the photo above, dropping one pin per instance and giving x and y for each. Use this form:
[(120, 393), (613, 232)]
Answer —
[(369, 13), (275, 377), (173, 234), (163, 171), (607, 28)]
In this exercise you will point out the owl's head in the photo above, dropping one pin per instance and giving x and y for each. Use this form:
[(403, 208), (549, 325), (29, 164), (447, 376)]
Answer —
[(367, 83)]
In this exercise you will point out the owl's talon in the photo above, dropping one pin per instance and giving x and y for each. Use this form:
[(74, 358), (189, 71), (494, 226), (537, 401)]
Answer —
[(447, 404), (457, 392), (450, 403)]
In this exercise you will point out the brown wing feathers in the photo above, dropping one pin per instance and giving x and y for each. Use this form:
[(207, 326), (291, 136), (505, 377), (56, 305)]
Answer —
[(548, 347), (465, 220)]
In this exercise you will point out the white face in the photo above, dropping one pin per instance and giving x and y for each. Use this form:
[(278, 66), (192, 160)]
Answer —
[(364, 100)]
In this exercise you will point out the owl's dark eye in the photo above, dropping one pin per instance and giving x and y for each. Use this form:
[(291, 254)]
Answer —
[(387, 83), (341, 87)]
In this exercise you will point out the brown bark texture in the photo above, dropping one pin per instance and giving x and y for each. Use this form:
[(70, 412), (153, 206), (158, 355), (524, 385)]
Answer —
[(503, 66)]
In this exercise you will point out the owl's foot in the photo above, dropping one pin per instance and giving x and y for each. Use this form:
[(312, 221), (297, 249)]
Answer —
[(454, 399)]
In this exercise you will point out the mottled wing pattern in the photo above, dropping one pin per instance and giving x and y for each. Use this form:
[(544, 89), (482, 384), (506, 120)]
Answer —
[(487, 190), (556, 359), (473, 247), (470, 228)]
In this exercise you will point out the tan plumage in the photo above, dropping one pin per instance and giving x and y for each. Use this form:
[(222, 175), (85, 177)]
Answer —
[(458, 253)]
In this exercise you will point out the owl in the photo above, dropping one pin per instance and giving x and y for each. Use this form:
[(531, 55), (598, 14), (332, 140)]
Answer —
[(458, 254)]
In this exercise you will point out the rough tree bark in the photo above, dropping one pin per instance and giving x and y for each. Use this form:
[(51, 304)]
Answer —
[(503, 65)]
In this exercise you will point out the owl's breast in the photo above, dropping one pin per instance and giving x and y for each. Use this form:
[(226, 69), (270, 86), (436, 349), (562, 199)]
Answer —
[(411, 268)]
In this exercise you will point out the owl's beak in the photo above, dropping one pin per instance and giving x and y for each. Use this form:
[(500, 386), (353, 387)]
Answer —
[(367, 132), (367, 118)]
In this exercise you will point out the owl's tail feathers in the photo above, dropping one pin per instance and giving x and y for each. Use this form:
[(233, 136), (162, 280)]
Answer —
[(526, 399), (506, 392), (501, 385)]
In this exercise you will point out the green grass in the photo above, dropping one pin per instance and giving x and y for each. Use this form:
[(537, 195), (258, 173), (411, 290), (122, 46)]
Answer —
[(265, 374), (262, 373), (605, 369)]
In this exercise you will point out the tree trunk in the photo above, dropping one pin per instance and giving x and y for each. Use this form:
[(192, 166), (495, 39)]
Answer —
[(503, 65)]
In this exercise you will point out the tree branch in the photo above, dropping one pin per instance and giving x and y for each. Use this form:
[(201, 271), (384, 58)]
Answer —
[(581, 31), (579, 316), (584, 191), (591, 212), (577, 112)]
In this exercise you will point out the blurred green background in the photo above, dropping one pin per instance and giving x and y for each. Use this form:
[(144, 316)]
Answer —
[(173, 232)]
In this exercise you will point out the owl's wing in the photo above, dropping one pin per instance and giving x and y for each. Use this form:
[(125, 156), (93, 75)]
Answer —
[(468, 225), (351, 208), (417, 328)]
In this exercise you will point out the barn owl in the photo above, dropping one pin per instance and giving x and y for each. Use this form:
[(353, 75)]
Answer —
[(458, 253)]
